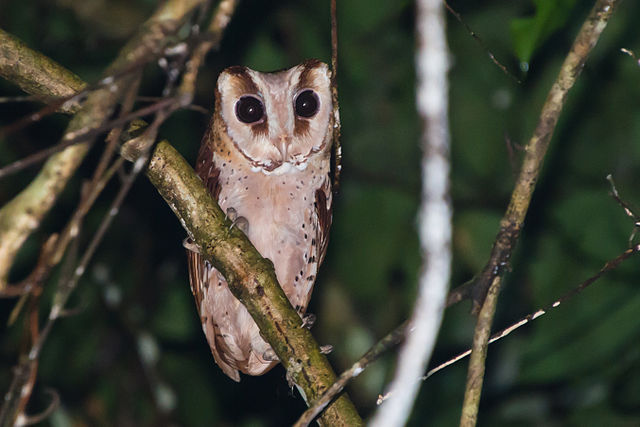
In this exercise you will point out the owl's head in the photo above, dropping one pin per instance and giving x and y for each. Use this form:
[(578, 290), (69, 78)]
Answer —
[(278, 121)]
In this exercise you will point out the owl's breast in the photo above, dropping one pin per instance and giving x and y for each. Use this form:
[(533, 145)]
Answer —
[(282, 221)]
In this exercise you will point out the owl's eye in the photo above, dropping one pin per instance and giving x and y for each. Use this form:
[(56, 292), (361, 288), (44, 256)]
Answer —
[(249, 109), (307, 103)]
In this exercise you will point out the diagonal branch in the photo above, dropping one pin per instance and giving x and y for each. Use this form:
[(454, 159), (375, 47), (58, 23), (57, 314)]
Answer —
[(35, 73), (487, 287), (23, 214)]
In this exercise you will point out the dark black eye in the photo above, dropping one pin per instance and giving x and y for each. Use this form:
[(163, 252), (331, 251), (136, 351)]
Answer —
[(249, 109), (307, 103)]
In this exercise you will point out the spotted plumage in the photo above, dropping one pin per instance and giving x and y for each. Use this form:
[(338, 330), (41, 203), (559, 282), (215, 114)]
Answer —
[(266, 158)]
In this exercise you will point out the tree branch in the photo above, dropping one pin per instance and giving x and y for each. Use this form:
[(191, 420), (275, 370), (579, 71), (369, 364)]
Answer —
[(487, 287), (35, 73), (23, 214)]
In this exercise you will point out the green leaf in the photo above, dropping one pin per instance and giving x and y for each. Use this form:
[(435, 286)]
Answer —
[(530, 33)]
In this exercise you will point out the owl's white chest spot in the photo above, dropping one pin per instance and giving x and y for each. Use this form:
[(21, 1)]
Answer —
[(284, 169)]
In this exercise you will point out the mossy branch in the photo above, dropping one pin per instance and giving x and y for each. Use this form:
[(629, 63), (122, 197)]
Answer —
[(35, 73)]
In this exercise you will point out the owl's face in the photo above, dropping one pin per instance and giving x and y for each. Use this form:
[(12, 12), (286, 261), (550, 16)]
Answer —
[(277, 121)]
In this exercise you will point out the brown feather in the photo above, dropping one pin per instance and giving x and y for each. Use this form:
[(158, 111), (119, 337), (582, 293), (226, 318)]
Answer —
[(323, 210)]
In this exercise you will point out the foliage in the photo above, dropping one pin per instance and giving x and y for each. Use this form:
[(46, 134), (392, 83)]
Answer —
[(135, 353)]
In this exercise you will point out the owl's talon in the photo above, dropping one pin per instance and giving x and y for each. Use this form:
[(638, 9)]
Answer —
[(326, 349), (231, 214), (237, 221), (242, 223), (189, 244), (270, 356), (308, 320)]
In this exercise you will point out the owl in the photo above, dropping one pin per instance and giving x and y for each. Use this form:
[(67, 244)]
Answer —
[(266, 159)]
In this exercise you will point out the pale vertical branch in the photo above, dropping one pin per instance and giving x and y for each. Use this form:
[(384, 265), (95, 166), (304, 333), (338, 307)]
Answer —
[(435, 213)]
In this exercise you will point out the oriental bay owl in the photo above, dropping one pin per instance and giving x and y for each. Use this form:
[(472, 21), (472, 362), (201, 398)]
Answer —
[(266, 159)]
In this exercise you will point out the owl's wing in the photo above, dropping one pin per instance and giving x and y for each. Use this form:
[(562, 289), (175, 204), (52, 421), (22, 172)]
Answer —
[(323, 203), (207, 171), (205, 167), (200, 271)]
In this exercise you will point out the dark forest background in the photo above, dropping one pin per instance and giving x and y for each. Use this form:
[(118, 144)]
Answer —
[(135, 354)]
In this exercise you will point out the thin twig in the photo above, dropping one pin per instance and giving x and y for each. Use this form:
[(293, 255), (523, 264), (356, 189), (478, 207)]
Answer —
[(389, 341), (609, 265), (23, 214), (16, 99), (627, 209), (487, 287), (212, 38), (397, 335), (477, 38), (96, 108), (28, 420), (631, 54), (82, 136)]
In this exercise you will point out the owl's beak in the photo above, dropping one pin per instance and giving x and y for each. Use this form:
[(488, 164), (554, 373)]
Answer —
[(283, 146)]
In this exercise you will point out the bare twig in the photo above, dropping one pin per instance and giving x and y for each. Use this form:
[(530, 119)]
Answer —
[(397, 335), (477, 38), (487, 286), (23, 214), (610, 265), (631, 54), (82, 136), (627, 209), (12, 99), (216, 28), (94, 111), (389, 341), (435, 213)]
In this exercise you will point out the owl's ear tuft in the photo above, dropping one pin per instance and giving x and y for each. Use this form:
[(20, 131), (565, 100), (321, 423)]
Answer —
[(239, 79), (311, 70)]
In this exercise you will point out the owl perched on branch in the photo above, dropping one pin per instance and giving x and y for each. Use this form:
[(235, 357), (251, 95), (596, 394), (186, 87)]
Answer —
[(266, 159)]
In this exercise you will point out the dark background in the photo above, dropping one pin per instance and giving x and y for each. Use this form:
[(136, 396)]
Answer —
[(135, 353)]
